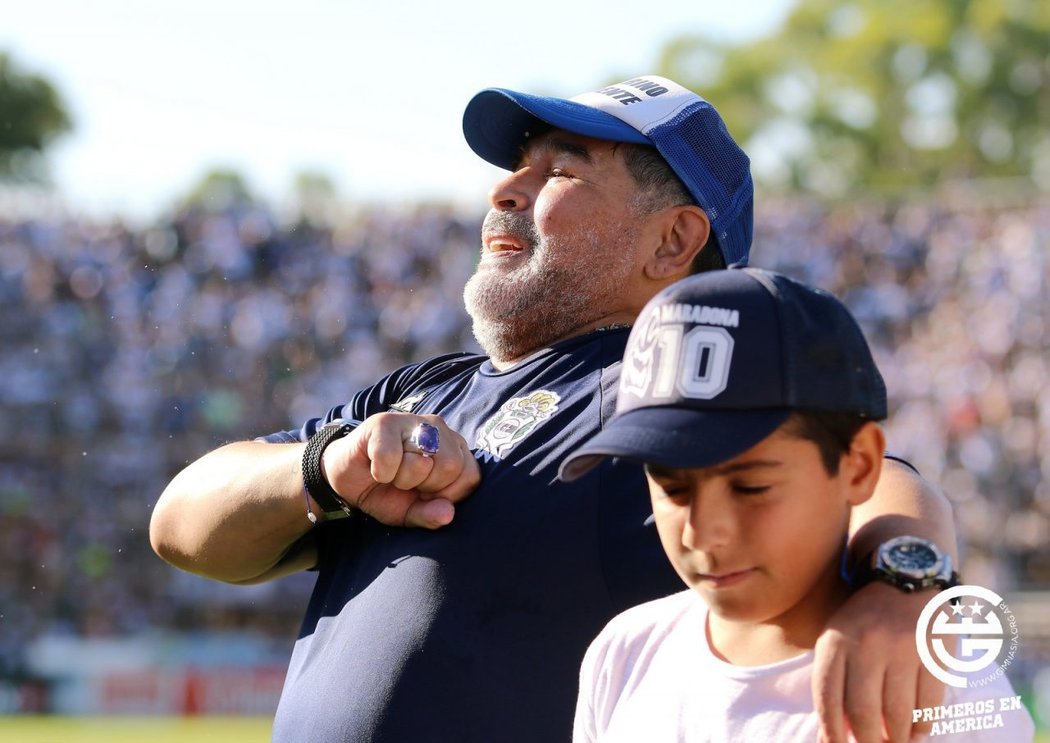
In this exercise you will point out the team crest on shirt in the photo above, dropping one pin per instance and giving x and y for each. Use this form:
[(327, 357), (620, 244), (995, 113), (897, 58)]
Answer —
[(405, 405), (516, 420)]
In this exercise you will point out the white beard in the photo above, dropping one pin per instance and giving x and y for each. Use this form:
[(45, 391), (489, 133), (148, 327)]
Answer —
[(552, 295)]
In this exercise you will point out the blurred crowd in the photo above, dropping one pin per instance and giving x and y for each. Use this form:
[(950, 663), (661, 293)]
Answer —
[(128, 352)]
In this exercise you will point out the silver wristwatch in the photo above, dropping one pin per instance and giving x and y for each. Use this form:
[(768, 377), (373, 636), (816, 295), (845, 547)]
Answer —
[(910, 564)]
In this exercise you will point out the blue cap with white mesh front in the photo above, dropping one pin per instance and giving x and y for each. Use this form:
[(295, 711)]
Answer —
[(719, 360), (684, 128)]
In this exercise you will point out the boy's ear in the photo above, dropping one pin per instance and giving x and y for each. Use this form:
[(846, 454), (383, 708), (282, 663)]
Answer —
[(862, 464), (683, 232)]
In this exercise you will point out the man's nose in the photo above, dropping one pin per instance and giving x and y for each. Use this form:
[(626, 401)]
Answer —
[(513, 192)]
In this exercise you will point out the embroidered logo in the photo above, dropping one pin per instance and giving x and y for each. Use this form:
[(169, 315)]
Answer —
[(517, 419), (406, 405), (667, 359)]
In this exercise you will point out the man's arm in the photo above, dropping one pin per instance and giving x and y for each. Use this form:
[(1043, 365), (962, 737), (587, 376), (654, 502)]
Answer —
[(238, 514), (235, 514), (903, 503), (867, 670)]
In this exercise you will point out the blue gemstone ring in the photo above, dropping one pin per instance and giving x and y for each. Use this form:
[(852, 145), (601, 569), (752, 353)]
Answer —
[(425, 438)]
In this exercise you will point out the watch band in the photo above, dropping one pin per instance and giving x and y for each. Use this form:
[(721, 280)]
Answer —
[(907, 584), (315, 485)]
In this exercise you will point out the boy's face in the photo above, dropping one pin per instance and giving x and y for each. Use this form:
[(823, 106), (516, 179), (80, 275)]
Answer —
[(756, 534)]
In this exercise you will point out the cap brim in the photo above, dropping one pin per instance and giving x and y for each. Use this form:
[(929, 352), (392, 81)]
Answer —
[(496, 123), (675, 437)]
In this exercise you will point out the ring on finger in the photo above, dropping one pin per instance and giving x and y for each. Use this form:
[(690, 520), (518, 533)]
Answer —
[(426, 439)]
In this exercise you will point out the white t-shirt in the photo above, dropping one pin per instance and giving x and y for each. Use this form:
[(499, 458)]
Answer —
[(650, 677)]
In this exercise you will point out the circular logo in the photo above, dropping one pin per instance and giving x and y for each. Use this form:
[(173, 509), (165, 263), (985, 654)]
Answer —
[(963, 631)]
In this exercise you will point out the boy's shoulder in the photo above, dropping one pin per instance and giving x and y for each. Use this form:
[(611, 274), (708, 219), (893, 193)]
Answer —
[(641, 647), (652, 621)]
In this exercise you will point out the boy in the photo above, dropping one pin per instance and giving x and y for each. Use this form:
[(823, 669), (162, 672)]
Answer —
[(752, 400)]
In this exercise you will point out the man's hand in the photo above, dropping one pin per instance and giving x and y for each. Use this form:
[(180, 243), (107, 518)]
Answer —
[(867, 677), (378, 470)]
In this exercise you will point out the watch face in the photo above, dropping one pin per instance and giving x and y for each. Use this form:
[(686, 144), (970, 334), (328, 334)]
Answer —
[(912, 557)]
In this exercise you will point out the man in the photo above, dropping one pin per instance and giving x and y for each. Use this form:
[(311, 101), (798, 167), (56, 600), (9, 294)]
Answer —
[(441, 617)]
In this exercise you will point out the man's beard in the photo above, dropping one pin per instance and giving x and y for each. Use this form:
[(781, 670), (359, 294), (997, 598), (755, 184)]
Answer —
[(553, 294)]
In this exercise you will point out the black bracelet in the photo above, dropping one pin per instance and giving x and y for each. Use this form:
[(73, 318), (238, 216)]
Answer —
[(314, 483)]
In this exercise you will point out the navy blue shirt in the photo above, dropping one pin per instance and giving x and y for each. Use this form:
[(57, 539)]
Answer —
[(475, 631)]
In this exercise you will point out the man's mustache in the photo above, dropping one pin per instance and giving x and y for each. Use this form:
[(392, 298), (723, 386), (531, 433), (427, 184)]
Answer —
[(511, 224)]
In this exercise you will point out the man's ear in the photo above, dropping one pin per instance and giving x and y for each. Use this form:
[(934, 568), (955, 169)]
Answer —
[(683, 233), (861, 465)]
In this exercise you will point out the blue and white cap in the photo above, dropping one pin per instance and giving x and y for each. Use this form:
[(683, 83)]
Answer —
[(719, 360), (686, 130)]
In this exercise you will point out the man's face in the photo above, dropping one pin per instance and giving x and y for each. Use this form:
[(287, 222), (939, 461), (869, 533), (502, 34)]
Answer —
[(561, 246), (758, 537)]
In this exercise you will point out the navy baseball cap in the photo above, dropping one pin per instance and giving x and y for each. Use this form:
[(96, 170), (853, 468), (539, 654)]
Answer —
[(685, 129), (719, 360)]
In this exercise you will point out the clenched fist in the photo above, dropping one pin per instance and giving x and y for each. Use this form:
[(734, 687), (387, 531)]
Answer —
[(386, 469)]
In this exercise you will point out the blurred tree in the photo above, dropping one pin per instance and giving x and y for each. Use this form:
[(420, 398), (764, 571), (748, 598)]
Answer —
[(311, 184), (884, 94), (31, 116), (315, 196), (218, 190)]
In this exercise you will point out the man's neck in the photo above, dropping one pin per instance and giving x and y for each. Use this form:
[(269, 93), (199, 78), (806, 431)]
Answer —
[(505, 364)]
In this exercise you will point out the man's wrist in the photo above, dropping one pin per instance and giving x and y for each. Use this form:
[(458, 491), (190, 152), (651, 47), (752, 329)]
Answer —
[(907, 563), (315, 485)]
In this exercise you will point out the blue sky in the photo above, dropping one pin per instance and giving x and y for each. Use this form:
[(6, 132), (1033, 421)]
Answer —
[(369, 92)]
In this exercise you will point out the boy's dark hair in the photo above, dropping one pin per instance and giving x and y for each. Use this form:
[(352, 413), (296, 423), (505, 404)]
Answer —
[(663, 188), (832, 433)]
